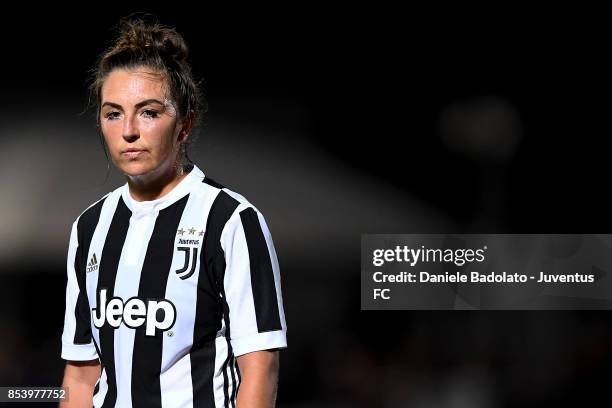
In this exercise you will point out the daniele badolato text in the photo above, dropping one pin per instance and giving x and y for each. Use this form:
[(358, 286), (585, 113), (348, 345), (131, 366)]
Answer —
[(459, 257)]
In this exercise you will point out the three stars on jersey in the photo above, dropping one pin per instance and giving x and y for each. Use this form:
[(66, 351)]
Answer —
[(191, 231)]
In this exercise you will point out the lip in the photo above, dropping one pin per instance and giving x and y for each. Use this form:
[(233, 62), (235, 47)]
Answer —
[(132, 152)]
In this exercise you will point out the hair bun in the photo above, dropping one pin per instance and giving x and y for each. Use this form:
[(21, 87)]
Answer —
[(137, 34)]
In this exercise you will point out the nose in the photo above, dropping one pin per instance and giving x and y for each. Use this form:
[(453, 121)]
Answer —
[(130, 130)]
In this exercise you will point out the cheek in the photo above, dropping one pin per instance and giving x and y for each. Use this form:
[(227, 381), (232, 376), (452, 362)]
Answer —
[(110, 146), (161, 137), (111, 133)]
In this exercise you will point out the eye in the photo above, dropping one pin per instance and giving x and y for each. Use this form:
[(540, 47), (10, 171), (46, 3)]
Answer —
[(149, 113), (112, 115)]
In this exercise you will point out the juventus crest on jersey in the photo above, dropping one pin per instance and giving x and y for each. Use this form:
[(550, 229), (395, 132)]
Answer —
[(167, 293)]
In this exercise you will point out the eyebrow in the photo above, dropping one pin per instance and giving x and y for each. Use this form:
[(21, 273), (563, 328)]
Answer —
[(138, 105)]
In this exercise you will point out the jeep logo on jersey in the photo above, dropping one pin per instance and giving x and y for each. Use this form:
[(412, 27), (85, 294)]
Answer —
[(154, 314)]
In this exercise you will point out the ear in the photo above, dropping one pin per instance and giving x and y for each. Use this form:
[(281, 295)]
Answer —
[(186, 127)]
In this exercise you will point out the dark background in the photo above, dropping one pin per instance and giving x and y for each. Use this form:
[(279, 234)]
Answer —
[(336, 123)]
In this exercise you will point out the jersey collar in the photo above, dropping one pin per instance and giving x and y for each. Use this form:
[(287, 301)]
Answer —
[(179, 191)]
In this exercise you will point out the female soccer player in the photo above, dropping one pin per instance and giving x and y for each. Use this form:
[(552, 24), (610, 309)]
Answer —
[(173, 296)]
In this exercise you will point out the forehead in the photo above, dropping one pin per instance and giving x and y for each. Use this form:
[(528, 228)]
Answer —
[(126, 86)]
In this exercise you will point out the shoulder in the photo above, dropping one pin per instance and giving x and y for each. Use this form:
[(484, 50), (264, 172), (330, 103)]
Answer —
[(227, 202), (91, 213), (230, 210)]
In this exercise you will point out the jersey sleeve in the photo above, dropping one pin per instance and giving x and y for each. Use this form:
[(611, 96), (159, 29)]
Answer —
[(252, 284), (77, 343)]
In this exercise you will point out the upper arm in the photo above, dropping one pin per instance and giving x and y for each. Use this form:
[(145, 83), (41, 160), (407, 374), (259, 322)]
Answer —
[(82, 372), (259, 379), (80, 378), (264, 363)]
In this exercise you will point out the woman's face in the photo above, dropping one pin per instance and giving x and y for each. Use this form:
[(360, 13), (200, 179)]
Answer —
[(139, 123)]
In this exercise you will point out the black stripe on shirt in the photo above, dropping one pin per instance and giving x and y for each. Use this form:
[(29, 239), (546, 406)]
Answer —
[(231, 364), (212, 182), (209, 305), (225, 383), (97, 388), (239, 377), (262, 276), (202, 373), (109, 261), (147, 356), (86, 226), (237, 371)]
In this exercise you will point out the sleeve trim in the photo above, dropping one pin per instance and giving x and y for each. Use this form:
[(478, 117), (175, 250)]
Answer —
[(259, 341), (79, 352)]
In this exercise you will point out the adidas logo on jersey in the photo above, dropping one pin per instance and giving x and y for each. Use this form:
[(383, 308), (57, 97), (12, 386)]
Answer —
[(135, 313), (93, 264)]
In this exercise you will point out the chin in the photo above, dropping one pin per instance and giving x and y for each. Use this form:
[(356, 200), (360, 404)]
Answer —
[(136, 168)]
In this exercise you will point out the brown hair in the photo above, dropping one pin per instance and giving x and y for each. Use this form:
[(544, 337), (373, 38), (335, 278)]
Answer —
[(149, 44)]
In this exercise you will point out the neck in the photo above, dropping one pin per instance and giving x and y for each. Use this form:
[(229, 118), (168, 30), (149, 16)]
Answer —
[(151, 186)]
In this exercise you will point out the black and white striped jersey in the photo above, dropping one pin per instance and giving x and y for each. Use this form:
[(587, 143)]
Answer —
[(167, 293)]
